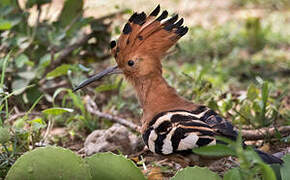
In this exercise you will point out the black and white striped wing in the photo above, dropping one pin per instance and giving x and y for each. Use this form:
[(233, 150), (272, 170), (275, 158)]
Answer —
[(181, 130)]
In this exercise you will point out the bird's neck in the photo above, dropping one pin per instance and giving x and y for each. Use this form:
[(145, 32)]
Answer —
[(155, 95)]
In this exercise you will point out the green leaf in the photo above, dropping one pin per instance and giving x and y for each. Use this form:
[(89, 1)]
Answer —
[(285, 174), (17, 86), (252, 92), (276, 168), (267, 171), (224, 139), (37, 124), (265, 92), (56, 111), (215, 150), (5, 25), (233, 174), (108, 166), (28, 75), (71, 10), (59, 71), (59, 90), (49, 163), (44, 61), (21, 60), (106, 87), (195, 173)]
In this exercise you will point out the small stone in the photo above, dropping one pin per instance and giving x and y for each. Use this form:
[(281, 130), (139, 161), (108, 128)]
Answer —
[(116, 138)]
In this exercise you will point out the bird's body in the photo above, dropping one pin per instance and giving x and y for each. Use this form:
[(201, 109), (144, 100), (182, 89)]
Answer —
[(170, 123)]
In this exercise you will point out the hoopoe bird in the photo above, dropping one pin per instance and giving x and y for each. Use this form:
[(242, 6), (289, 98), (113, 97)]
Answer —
[(170, 123)]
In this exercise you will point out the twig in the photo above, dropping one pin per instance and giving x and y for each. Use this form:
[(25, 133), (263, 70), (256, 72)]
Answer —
[(262, 132), (92, 108), (16, 116), (48, 130)]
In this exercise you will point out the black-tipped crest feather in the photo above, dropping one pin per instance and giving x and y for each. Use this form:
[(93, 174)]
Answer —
[(162, 16), (169, 27), (127, 29), (156, 11), (179, 23), (132, 17), (181, 31), (139, 18), (172, 19)]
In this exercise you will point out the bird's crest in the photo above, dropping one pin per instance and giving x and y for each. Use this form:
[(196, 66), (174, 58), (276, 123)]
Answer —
[(152, 35)]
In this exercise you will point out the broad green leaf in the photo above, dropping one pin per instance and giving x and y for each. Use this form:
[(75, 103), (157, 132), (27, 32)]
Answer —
[(5, 25), (71, 10), (276, 168), (56, 111), (233, 174), (29, 75), (267, 171), (108, 166), (215, 150), (59, 71), (49, 163), (21, 60), (285, 173), (17, 86), (195, 173), (45, 60)]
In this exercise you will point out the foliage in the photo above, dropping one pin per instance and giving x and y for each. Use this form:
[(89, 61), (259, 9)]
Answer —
[(31, 51), (60, 163), (49, 163), (251, 166), (40, 46), (195, 173), (113, 167)]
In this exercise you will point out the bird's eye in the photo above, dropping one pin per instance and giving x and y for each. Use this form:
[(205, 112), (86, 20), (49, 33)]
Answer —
[(130, 62)]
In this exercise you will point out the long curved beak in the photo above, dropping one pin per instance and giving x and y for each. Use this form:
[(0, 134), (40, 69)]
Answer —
[(96, 77)]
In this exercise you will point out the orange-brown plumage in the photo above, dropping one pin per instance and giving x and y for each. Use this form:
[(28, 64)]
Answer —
[(146, 42), (170, 123)]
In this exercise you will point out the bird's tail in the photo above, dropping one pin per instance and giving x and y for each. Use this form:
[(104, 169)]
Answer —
[(269, 158)]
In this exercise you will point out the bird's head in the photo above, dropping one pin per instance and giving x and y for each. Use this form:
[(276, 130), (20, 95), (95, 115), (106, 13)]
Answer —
[(141, 46)]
